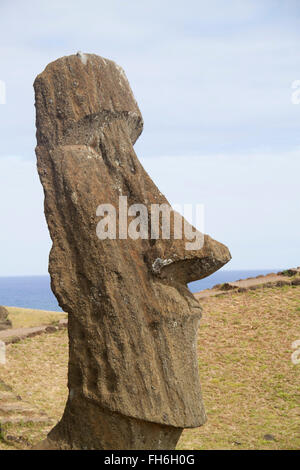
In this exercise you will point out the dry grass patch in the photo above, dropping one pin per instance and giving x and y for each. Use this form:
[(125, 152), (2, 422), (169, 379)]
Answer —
[(36, 369), (27, 317), (250, 386)]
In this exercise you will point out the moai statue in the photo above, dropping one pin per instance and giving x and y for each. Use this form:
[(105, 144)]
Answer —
[(133, 374)]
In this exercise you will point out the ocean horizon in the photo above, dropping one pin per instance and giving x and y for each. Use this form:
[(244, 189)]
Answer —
[(35, 291)]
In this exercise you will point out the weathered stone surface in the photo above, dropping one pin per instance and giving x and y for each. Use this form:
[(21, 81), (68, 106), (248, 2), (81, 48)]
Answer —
[(133, 373), (5, 323)]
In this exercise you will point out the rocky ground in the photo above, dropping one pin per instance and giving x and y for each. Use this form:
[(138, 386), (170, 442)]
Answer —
[(282, 278)]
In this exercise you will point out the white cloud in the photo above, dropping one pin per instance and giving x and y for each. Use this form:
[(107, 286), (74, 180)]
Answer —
[(251, 202), (24, 238), (211, 78), (204, 71)]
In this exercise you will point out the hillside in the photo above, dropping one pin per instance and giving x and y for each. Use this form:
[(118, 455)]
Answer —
[(250, 385)]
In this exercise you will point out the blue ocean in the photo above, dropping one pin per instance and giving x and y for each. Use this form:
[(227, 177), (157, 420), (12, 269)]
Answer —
[(35, 291), (28, 292)]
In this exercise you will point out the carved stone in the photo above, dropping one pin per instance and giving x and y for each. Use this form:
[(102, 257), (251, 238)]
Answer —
[(133, 371)]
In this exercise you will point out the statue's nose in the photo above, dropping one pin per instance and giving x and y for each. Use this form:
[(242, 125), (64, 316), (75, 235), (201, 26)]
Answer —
[(170, 259)]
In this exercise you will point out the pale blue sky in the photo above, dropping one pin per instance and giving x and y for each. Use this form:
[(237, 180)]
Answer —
[(213, 81)]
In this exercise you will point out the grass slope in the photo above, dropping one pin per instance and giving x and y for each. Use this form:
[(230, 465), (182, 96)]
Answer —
[(250, 385), (26, 317)]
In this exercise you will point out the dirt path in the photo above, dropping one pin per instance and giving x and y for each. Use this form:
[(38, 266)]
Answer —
[(14, 335)]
